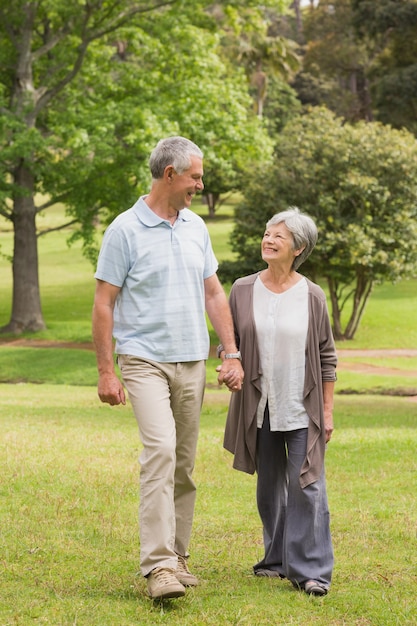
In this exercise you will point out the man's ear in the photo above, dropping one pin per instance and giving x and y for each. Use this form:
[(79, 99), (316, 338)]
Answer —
[(169, 172)]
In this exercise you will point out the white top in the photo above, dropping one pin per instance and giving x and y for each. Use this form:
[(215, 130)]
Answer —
[(281, 321)]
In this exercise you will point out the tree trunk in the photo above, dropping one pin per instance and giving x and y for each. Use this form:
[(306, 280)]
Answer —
[(298, 19), (364, 285), (26, 306), (337, 323), (259, 81), (212, 199), (363, 289), (26, 312)]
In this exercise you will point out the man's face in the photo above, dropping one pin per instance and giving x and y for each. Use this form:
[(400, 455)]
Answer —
[(186, 185)]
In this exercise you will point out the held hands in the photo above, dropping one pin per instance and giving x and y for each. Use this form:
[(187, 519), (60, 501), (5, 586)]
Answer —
[(110, 389), (231, 374)]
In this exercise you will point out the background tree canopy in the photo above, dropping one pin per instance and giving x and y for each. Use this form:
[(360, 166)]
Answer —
[(88, 88), (359, 183), (360, 59)]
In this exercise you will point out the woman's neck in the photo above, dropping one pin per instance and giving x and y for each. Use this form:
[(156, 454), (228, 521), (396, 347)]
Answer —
[(279, 279)]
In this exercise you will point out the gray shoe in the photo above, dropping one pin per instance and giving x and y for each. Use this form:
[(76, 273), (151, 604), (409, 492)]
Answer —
[(183, 574), (313, 588), (268, 573), (162, 583)]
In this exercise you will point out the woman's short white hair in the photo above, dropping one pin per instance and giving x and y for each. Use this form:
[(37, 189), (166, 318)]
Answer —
[(302, 228), (175, 151)]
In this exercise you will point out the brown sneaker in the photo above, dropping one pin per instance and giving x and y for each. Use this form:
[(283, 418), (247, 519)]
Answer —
[(162, 583), (183, 574)]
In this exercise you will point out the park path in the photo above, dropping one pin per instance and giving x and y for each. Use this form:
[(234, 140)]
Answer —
[(374, 368), (343, 357), (377, 353), (343, 354)]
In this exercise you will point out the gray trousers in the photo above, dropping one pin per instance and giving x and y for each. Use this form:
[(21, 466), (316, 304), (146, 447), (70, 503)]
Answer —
[(296, 521)]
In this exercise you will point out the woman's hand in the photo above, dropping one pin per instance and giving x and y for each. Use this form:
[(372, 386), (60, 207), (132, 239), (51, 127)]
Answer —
[(231, 374), (328, 425)]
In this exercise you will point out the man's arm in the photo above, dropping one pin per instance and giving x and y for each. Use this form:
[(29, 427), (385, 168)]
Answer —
[(110, 389), (218, 310)]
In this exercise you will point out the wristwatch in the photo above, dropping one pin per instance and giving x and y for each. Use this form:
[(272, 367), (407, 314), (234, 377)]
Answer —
[(233, 355)]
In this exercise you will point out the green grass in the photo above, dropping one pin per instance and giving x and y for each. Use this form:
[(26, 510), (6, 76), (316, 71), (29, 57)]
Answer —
[(69, 481), (389, 318), (58, 366), (67, 289)]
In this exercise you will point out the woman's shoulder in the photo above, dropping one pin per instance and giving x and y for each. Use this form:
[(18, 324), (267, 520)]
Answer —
[(315, 290)]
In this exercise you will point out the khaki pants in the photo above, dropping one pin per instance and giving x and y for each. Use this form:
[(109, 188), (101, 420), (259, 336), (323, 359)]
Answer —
[(166, 400)]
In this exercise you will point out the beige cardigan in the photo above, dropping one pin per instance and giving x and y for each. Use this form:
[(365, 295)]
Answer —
[(321, 360)]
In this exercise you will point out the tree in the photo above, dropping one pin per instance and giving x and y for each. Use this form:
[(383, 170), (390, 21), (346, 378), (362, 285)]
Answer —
[(392, 26), (336, 61), (44, 46), (87, 89), (360, 59), (359, 183), (217, 113), (250, 48), (252, 39)]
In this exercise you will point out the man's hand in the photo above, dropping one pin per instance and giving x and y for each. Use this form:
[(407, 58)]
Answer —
[(110, 389), (231, 374)]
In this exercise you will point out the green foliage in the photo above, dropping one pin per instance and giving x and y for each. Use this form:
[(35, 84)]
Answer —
[(159, 73), (335, 61), (281, 104), (113, 132), (98, 87), (359, 183), (360, 59), (392, 26), (216, 111)]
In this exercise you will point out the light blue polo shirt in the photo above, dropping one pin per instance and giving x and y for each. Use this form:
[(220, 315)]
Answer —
[(160, 311)]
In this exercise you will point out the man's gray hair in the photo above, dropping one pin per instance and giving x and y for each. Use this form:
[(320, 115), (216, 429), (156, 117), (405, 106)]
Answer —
[(175, 151), (302, 228)]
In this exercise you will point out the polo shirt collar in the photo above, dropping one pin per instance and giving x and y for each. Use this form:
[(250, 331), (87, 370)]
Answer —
[(149, 218)]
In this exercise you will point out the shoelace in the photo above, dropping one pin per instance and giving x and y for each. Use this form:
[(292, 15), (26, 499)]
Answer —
[(182, 565), (164, 575)]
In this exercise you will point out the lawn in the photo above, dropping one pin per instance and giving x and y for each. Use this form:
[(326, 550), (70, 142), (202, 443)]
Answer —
[(69, 480)]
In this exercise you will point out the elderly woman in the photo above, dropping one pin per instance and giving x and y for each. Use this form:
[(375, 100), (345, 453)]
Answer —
[(278, 424)]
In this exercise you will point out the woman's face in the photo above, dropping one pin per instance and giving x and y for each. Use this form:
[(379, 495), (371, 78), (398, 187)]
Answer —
[(277, 245)]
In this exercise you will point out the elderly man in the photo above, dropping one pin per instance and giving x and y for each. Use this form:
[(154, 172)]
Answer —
[(156, 277)]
